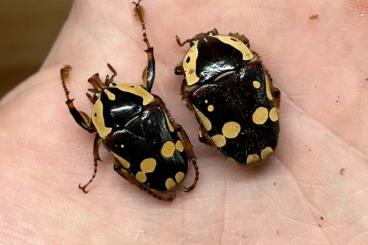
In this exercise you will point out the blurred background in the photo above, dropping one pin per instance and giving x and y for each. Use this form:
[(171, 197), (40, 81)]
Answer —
[(28, 30)]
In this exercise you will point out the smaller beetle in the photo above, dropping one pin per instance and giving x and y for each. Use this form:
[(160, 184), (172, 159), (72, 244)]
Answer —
[(232, 96), (150, 150)]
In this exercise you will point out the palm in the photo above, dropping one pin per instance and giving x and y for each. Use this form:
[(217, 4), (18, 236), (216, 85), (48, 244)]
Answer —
[(300, 196)]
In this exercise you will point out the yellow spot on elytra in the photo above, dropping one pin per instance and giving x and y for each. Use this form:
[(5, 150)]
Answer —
[(110, 95), (219, 140), (268, 88), (179, 146), (168, 149), (252, 158), (204, 120), (98, 120), (137, 90), (210, 108), (238, 44), (231, 130), (170, 183), (169, 124), (121, 160), (148, 165), (266, 152), (190, 65), (260, 115), (179, 176), (141, 177), (274, 116), (256, 84)]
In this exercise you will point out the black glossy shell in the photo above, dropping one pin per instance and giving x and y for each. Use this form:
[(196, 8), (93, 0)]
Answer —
[(234, 101), (142, 138)]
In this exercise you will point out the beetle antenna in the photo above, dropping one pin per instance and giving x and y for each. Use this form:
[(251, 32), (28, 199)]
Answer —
[(139, 12), (64, 74)]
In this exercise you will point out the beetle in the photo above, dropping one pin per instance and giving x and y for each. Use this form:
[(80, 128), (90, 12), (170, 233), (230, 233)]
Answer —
[(150, 149), (232, 96)]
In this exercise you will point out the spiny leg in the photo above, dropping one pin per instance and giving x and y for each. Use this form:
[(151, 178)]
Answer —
[(80, 117), (241, 37), (96, 158), (148, 75), (188, 147), (196, 37), (276, 93), (110, 80), (124, 173)]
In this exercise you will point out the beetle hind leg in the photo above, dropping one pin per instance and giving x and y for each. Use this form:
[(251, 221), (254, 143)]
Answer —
[(80, 117), (169, 196), (96, 158), (188, 147), (241, 37)]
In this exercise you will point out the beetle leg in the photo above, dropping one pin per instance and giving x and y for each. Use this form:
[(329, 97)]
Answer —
[(241, 37), (181, 44), (110, 80), (169, 196), (276, 93), (179, 70), (148, 75), (80, 117), (96, 158), (203, 136), (188, 147)]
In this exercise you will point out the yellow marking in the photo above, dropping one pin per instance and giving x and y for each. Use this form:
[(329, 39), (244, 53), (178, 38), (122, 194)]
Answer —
[(239, 45), (260, 115), (253, 158), (190, 67), (210, 108), (231, 130), (148, 165), (256, 84), (121, 160), (168, 149), (179, 176), (219, 140), (110, 95), (204, 120), (268, 88), (266, 152), (170, 183), (136, 90), (98, 120), (141, 177), (274, 116), (169, 124), (179, 146)]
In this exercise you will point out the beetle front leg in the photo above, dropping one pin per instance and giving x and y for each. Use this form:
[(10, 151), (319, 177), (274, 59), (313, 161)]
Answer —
[(148, 75), (80, 117), (96, 158)]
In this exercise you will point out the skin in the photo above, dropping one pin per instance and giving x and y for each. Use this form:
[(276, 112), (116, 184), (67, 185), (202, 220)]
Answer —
[(313, 189)]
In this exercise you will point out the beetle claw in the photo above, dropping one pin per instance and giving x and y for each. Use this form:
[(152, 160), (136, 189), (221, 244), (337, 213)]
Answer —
[(83, 188)]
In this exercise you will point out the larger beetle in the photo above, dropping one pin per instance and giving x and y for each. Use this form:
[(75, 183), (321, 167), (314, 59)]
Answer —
[(232, 95), (150, 150)]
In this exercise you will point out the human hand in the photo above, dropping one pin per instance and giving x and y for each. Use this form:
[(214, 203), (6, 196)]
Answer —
[(312, 191)]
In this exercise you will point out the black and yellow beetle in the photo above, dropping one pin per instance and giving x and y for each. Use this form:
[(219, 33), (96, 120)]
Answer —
[(232, 95), (150, 150)]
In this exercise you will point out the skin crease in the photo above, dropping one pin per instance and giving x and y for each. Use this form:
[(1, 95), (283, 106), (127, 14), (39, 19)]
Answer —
[(298, 197)]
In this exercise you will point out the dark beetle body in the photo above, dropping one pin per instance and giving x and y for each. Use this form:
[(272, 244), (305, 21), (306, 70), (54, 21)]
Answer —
[(232, 95), (150, 150), (141, 136)]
